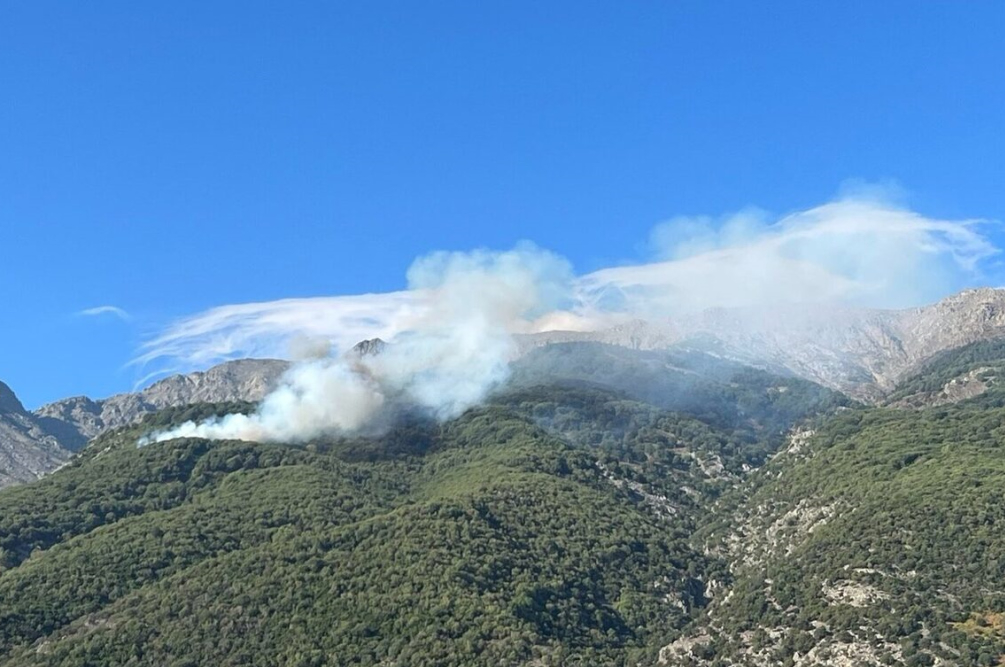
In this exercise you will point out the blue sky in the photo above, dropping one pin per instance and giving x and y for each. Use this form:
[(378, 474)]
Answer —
[(169, 159)]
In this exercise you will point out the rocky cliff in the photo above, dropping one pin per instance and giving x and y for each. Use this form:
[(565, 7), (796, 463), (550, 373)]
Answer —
[(27, 449)]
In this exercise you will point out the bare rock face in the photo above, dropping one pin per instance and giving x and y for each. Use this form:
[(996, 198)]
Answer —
[(241, 380), (8, 401), (27, 449), (368, 347), (967, 317), (73, 421)]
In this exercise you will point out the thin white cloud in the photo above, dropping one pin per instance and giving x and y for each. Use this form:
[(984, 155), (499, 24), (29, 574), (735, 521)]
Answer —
[(106, 310), (855, 250), (269, 329)]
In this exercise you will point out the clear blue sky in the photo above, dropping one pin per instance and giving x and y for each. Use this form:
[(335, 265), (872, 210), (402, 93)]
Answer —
[(169, 157)]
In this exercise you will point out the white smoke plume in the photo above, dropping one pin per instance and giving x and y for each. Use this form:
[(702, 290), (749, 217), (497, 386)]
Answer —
[(452, 330), (304, 348), (453, 347)]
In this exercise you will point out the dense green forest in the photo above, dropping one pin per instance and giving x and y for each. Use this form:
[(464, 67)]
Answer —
[(497, 544), (610, 507)]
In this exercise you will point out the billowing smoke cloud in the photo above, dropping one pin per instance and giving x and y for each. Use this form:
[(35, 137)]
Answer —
[(453, 347), (452, 330)]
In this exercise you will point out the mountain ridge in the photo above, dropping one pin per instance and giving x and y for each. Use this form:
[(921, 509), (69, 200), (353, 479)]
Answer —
[(33, 443), (82, 418), (860, 351)]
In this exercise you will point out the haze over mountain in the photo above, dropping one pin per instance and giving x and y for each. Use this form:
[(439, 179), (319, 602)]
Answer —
[(861, 352), (862, 250)]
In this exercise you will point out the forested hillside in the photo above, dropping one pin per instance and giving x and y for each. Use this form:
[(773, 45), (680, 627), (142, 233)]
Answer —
[(609, 508), (552, 525), (876, 539), (954, 375)]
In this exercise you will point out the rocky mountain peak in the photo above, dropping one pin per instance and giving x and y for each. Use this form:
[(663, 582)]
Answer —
[(972, 298), (368, 347), (8, 401), (28, 449)]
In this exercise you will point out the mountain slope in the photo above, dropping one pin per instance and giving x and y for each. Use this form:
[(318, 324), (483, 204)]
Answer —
[(549, 527), (861, 352), (498, 545), (612, 507), (27, 448), (737, 398), (877, 539), (960, 374)]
